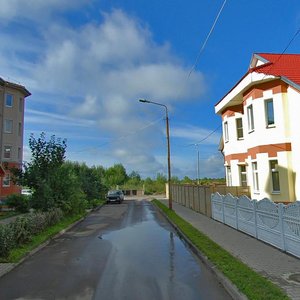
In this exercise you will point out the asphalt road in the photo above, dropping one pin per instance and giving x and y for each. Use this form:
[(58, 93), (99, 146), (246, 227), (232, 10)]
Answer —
[(123, 251)]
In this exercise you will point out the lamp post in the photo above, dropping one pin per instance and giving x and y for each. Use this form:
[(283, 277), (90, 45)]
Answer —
[(168, 146)]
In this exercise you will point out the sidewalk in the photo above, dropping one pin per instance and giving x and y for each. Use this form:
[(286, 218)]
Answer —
[(282, 269)]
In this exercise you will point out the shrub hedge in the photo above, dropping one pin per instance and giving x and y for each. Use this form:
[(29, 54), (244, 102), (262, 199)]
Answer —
[(23, 228)]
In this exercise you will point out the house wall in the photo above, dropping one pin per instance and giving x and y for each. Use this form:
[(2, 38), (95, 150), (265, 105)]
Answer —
[(265, 143), (15, 113)]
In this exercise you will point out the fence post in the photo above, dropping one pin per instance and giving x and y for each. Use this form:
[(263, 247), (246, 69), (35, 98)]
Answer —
[(280, 213), (255, 218), (236, 214), (223, 209)]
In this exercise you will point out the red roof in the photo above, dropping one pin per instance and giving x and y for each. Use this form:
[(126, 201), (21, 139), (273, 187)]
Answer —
[(287, 65)]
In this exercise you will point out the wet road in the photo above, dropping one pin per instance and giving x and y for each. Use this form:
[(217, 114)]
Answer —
[(125, 251)]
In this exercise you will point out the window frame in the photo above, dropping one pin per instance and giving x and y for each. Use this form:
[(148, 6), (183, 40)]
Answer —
[(274, 176), (6, 180), (228, 176), (250, 117), (238, 129), (12, 99), (267, 115), (226, 133), (8, 121), (243, 173), (255, 177), (4, 151)]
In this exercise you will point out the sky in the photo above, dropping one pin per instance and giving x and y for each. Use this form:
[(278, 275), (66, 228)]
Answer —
[(87, 62)]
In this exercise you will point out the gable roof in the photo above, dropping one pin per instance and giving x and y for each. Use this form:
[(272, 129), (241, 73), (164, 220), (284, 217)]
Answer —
[(282, 65)]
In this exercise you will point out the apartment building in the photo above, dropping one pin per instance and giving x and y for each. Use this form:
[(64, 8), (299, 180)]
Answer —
[(12, 103), (261, 128)]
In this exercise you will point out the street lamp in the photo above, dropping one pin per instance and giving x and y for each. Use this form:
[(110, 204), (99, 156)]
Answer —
[(168, 145)]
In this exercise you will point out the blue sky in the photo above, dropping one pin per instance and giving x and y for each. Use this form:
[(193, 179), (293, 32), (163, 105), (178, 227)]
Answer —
[(87, 63)]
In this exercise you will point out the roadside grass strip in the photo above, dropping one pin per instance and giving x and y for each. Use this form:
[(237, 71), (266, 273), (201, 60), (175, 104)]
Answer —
[(249, 282), (18, 253)]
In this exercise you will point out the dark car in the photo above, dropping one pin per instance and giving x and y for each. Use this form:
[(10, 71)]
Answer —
[(115, 196)]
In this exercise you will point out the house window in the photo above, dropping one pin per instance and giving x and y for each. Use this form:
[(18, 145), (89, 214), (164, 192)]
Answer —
[(243, 176), (239, 128), (8, 126), (255, 176), (274, 175), (269, 112), (6, 180), (226, 136), (20, 129), (9, 100), (20, 104), (19, 153), (250, 118), (7, 152), (228, 176)]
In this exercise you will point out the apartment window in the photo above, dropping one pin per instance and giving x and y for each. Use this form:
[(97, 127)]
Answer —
[(250, 118), (8, 126), (226, 136), (239, 128), (274, 175), (228, 176), (243, 176), (20, 104), (19, 153), (7, 152), (269, 112), (9, 100), (255, 176), (6, 180), (20, 129)]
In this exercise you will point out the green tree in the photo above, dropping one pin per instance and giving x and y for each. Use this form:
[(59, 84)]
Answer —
[(52, 183), (115, 175)]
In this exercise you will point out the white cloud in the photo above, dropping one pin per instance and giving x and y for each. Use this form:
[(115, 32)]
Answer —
[(35, 9), (195, 134), (97, 72)]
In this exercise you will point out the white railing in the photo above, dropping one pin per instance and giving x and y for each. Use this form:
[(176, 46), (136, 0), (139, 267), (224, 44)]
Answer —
[(276, 224)]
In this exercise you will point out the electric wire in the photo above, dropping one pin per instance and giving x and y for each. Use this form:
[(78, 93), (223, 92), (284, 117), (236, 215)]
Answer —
[(206, 40)]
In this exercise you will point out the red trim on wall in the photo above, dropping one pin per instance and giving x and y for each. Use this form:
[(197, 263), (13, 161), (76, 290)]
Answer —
[(277, 86), (272, 151), (230, 111)]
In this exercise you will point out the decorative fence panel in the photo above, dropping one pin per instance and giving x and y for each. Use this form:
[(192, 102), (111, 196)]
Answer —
[(276, 224)]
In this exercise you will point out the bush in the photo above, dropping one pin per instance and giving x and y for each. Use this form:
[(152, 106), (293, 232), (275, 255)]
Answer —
[(23, 228), (7, 240), (19, 202)]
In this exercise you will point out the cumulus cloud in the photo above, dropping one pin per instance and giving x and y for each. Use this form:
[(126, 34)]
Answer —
[(101, 69)]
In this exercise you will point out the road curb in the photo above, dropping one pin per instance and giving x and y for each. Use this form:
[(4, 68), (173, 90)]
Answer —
[(7, 267), (224, 281)]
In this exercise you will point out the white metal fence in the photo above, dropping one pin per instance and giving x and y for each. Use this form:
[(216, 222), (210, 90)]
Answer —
[(276, 224)]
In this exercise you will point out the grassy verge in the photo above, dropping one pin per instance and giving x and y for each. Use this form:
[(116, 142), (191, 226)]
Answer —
[(19, 252), (250, 283), (8, 214)]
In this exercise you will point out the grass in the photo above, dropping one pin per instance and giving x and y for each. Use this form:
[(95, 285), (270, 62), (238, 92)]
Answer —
[(18, 253), (250, 283)]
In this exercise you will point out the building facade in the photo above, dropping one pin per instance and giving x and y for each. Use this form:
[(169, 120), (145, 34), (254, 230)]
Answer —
[(12, 104), (261, 128)]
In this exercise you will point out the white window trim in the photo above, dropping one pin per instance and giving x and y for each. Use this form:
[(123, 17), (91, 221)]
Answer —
[(272, 171), (239, 138), (226, 134), (251, 126), (267, 115), (255, 177)]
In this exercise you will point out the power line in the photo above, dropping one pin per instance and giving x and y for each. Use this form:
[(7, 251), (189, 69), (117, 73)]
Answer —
[(206, 40)]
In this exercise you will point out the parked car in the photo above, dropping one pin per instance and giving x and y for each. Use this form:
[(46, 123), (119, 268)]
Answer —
[(26, 192), (115, 196)]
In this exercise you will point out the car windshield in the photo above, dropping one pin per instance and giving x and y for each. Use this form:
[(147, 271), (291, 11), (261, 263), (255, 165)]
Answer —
[(113, 192)]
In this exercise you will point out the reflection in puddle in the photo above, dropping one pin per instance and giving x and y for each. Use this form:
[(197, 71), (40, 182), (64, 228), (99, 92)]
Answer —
[(153, 262)]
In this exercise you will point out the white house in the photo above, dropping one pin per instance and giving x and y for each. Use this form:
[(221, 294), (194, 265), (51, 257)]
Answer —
[(261, 128)]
